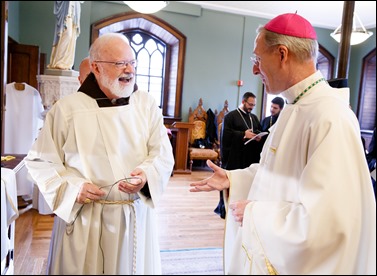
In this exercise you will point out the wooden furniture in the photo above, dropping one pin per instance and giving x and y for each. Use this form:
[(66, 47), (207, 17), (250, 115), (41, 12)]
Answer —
[(24, 186), (182, 131), (219, 121), (198, 118), (222, 113), (37, 200)]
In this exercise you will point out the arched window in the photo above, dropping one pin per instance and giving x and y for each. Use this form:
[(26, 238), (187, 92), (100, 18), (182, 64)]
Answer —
[(150, 53), (159, 49), (366, 109), (325, 62)]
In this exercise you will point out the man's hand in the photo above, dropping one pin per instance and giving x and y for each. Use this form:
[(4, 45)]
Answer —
[(134, 183), (218, 181), (89, 192), (238, 209)]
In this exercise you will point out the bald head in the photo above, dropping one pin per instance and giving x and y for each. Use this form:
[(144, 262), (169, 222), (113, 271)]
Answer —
[(84, 69), (109, 46)]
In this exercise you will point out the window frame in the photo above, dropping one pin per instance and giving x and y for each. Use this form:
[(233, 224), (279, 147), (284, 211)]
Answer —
[(322, 54), (175, 54), (366, 108)]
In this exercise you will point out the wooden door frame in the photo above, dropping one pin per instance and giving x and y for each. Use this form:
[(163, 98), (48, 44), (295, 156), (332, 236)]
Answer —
[(4, 53)]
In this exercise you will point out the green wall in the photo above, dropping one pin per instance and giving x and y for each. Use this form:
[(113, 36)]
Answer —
[(219, 46)]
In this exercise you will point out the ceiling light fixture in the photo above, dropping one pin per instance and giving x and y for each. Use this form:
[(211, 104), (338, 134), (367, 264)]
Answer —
[(146, 6), (359, 33)]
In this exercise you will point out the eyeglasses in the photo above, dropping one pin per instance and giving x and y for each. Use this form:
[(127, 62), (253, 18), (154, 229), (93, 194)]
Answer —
[(250, 104), (255, 60), (120, 64)]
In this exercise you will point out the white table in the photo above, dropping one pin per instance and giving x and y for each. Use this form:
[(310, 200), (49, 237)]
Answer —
[(9, 213), (24, 180)]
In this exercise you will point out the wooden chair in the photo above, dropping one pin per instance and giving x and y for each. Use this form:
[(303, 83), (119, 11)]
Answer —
[(219, 121), (199, 118)]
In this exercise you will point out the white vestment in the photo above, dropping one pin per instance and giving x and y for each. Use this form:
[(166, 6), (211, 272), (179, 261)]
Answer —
[(312, 208), (81, 142), (22, 122)]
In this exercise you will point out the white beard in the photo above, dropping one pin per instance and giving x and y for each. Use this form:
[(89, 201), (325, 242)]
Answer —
[(116, 87)]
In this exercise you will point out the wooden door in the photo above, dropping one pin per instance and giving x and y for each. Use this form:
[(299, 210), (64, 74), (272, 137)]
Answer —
[(23, 64)]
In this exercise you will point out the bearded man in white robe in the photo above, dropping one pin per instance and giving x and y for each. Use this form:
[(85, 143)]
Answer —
[(102, 162), (308, 207)]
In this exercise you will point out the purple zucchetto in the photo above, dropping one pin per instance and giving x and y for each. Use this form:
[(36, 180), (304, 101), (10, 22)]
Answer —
[(291, 24)]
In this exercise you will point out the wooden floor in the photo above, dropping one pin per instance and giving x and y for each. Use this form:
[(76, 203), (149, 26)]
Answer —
[(186, 220)]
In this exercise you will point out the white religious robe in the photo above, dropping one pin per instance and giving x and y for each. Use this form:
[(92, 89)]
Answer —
[(81, 142), (312, 208), (22, 122)]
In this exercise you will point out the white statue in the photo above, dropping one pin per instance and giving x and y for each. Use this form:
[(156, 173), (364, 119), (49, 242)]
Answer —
[(67, 29)]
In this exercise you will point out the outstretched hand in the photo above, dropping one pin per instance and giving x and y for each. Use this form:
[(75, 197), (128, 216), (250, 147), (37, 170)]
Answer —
[(217, 181)]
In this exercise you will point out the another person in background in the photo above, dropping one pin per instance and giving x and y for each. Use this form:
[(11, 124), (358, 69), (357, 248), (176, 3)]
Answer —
[(84, 70), (239, 126), (308, 207), (277, 105), (102, 161), (67, 29)]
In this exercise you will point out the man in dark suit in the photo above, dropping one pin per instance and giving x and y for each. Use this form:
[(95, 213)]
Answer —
[(277, 104)]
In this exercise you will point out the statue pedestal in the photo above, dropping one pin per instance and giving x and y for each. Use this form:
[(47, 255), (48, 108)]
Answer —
[(54, 87), (58, 72)]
